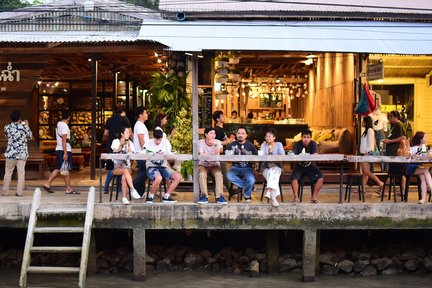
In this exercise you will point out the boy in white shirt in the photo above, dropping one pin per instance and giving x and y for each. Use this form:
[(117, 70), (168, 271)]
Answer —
[(141, 138), (158, 169)]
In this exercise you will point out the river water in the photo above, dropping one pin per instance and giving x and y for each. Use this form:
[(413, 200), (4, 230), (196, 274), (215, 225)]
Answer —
[(201, 279)]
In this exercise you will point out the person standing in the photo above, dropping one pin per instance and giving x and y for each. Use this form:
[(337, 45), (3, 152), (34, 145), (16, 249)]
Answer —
[(396, 135), (219, 119), (367, 147), (306, 168), (112, 129), (241, 173), (210, 146), (16, 153), (141, 137), (272, 171), (161, 120), (63, 152)]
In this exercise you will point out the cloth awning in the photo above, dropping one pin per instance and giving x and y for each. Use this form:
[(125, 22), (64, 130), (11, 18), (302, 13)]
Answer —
[(313, 36)]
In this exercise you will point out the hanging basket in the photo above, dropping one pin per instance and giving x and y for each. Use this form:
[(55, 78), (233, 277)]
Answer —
[(234, 77), (221, 64)]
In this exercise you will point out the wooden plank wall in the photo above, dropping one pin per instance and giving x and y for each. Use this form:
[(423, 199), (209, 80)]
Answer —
[(331, 98)]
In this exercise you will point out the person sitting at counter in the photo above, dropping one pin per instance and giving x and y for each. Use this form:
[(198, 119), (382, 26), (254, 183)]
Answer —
[(250, 118), (306, 145), (241, 173), (234, 117)]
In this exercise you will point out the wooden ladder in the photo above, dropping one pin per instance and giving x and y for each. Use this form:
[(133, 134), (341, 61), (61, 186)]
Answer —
[(36, 211)]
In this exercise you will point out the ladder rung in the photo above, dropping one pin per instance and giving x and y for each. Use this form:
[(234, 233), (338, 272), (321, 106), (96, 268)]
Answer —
[(59, 230), (48, 269), (59, 210), (56, 249)]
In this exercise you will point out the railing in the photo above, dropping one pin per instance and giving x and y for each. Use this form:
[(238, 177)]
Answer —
[(339, 158)]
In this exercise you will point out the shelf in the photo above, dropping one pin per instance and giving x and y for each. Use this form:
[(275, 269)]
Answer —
[(265, 108)]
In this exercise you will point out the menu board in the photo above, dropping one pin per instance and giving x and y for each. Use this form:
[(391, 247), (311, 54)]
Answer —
[(205, 106)]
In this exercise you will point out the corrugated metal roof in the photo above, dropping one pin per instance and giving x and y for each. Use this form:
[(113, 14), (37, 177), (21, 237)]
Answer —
[(317, 36), (69, 36), (375, 6)]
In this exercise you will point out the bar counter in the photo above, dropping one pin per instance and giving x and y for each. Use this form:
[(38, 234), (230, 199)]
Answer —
[(257, 131)]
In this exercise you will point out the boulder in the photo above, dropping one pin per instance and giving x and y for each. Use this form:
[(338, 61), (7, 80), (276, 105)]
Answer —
[(328, 258), (427, 263), (205, 254), (364, 256), (330, 270), (359, 265), (382, 263), (391, 271), (369, 271), (412, 265), (164, 265), (346, 266), (192, 260), (287, 265)]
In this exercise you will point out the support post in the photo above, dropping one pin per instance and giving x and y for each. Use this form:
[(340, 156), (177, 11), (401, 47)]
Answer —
[(195, 125), (309, 255), (272, 243), (93, 112), (139, 254)]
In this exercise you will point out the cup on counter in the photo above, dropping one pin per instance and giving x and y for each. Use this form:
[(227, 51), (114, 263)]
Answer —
[(260, 152)]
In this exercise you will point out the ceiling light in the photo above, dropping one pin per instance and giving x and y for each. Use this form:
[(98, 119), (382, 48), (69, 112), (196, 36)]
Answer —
[(253, 84), (310, 56)]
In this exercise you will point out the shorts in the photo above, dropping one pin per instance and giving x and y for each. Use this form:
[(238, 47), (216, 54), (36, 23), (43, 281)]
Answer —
[(59, 162), (312, 172), (163, 171)]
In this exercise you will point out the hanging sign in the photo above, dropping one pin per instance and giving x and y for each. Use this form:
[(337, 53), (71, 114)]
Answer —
[(375, 71), (8, 74)]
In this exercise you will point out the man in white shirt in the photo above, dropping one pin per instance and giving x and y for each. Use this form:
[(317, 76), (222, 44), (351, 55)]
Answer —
[(141, 137), (158, 169), (63, 152)]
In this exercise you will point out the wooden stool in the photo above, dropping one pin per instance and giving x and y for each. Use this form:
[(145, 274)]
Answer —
[(239, 195), (265, 186), (392, 185), (301, 185), (408, 182), (116, 181), (348, 188)]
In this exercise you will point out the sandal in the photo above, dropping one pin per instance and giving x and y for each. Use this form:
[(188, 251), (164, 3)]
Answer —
[(73, 191), (296, 201), (47, 189), (314, 201)]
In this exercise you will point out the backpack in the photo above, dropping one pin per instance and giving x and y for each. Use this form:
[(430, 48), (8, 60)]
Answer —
[(404, 148)]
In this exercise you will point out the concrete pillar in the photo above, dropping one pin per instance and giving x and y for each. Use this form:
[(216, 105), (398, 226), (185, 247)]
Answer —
[(309, 255), (139, 254), (91, 265), (272, 248)]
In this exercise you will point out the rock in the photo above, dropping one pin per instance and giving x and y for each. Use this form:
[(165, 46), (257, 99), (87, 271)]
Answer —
[(226, 252), (113, 258), (192, 260), (254, 268), (243, 259), (181, 252), (261, 256), (354, 255), (164, 265), (250, 252), (211, 260), (391, 271), (364, 256), (330, 270), (287, 265), (340, 253), (397, 261), (205, 254), (346, 266), (328, 258), (427, 263), (122, 251), (382, 263), (102, 264), (369, 271), (216, 267), (150, 259), (359, 265), (409, 255), (412, 265)]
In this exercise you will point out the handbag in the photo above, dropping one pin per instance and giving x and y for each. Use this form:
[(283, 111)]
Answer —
[(362, 107), (404, 148), (65, 168)]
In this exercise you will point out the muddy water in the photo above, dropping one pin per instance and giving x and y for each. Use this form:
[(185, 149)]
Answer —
[(199, 279)]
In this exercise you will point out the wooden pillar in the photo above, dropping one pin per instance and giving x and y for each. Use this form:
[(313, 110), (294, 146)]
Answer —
[(309, 255), (93, 112), (115, 87), (139, 254), (195, 125), (135, 96), (272, 249), (127, 85)]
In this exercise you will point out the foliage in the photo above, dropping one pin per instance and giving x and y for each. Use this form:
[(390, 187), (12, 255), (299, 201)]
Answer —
[(168, 94), (186, 168), (12, 4), (152, 4), (182, 140)]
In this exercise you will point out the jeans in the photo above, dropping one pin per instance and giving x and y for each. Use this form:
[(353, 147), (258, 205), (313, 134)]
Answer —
[(242, 177), (139, 181)]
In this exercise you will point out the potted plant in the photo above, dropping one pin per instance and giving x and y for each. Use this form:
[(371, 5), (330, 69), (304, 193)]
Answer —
[(221, 78), (221, 61), (187, 170), (234, 75)]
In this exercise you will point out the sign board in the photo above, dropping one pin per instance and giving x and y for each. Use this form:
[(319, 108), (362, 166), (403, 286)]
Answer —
[(375, 71)]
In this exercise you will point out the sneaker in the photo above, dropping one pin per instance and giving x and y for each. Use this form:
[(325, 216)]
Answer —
[(105, 192), (221, 200), (125, 201), (275, 203), (135, 194), (267, 194), (149, 200), (248, 200), (169, 200), (203, 200)]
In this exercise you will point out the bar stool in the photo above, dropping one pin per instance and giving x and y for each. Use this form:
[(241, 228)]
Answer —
[(358, 178), (265, 186), (149, 183), (301, 185), (116, 181), (392, 185), (408, 182), (239, 195)]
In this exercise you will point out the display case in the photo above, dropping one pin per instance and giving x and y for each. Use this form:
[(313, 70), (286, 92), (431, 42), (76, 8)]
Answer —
[(76, 96)]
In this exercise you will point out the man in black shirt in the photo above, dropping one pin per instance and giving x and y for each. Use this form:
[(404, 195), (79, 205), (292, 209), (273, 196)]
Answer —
[(241, 173), (219, 119), (306, 145)]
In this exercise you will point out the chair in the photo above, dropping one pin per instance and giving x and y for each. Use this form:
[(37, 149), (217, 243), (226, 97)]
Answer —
[(408, 182), (239, 195), (149, 183), (356, 178), (392, 185), (116, 181), (265, 186), (301, 185)]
